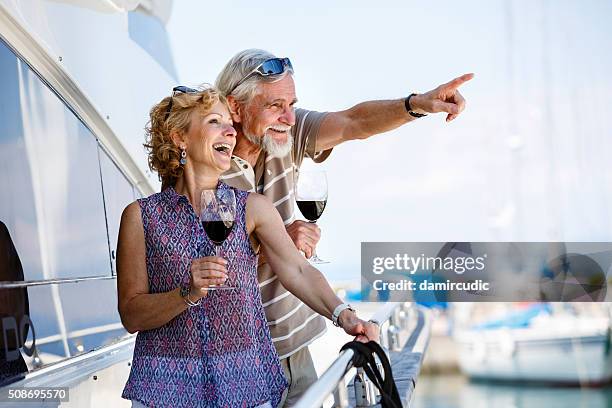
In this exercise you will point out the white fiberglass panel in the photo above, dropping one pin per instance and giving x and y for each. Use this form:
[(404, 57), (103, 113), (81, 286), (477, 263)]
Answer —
[(119, 77)]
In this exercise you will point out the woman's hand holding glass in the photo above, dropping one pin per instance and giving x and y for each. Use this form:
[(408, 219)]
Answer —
[(206, 272)]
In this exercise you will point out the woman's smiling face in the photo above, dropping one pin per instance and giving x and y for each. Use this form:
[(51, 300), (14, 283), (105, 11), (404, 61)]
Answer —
[(210, 140)]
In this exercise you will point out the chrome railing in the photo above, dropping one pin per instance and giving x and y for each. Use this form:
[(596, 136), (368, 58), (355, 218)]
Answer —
[(56, 281), (400, 324)]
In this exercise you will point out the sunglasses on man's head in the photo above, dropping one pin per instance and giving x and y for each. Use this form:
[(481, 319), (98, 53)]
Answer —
[(272, 66), (175, 91)]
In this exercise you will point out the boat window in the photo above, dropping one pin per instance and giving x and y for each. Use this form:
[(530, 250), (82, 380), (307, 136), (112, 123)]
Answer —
[(57, 290), (52, 192), (118, 193)]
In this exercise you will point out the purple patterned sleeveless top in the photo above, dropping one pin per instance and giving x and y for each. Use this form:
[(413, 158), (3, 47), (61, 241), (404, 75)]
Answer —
[(218, 354)]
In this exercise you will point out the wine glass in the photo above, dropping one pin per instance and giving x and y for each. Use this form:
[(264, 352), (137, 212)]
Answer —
[(217, 215), (311, 197)]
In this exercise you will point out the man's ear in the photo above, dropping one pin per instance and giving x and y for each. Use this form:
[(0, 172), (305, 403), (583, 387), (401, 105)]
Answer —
[(235, 109)]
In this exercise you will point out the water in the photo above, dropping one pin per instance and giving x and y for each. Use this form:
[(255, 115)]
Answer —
[(455, 391)]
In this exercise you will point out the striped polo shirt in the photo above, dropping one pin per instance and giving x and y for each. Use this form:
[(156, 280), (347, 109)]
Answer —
[(293, 325)]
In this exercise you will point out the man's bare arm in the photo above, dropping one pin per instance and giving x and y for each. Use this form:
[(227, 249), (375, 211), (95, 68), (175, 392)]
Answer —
[(373, 117)]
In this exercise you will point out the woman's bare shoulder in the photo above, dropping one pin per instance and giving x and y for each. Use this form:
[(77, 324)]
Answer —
[(131, 212)]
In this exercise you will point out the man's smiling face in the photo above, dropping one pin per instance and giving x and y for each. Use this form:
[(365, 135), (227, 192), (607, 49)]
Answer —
[(269, 116)]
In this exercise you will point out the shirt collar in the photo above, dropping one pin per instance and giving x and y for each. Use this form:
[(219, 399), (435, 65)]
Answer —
[(174, 197), (171, 195)]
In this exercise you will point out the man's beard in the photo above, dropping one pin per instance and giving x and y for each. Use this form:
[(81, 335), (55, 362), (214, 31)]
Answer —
[(271, 146)]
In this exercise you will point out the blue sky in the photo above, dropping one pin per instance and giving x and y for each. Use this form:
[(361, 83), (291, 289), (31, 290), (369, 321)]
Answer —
[(528, 159)]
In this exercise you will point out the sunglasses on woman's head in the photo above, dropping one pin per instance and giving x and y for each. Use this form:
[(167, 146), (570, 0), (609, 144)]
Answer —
[(175, 91)]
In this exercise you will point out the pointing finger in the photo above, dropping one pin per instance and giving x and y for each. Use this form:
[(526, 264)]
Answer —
[(457, 82)]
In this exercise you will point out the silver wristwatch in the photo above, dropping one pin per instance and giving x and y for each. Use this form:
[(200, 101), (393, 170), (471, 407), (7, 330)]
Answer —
[(339, 309)]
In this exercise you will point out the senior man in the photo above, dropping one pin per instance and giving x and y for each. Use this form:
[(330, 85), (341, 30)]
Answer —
[(272, 139)]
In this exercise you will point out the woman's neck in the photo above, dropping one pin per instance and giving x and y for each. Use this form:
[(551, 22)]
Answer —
[(191, 186)]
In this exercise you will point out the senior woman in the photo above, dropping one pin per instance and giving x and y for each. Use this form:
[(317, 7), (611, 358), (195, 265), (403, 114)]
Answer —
[(198, 347)]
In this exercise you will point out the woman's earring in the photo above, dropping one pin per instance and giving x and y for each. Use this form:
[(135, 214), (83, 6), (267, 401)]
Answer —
[(183, 160)]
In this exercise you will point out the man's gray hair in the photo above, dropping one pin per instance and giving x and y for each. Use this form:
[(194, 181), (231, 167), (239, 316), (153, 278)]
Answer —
[(237, 68)]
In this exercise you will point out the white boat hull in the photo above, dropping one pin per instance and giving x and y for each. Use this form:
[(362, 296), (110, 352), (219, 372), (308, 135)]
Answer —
[(582, 359)]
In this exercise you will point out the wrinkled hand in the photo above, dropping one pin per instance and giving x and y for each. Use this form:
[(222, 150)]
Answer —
[(364, 331), (445, 98), (305, 236), (207, 271)]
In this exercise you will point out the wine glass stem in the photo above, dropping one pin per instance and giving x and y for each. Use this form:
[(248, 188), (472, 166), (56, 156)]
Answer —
[(314, 250)]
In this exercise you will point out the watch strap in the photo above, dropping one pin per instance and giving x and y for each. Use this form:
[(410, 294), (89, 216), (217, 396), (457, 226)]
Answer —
[(409, 108), (185, 289), (339, 309), (184, 292)]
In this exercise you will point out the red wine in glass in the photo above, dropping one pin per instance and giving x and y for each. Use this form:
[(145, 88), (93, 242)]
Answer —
[(311, 198), (217, 215), (311, 210), (217, 231)]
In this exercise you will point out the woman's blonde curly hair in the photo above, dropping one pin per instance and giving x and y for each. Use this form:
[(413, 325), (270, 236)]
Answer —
[(163, 155)]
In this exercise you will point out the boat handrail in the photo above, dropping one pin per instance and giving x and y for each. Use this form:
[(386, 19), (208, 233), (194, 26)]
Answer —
[(392, 317), (53, 281), (71, 370)]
